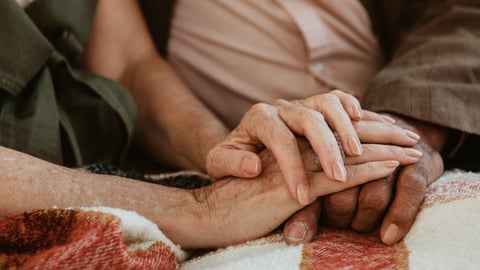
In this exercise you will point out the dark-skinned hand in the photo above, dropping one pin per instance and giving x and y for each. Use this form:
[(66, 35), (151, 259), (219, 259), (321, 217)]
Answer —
[(392, 202)]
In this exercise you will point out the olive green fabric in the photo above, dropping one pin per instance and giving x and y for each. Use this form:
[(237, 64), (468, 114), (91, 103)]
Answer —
[(49, 106)]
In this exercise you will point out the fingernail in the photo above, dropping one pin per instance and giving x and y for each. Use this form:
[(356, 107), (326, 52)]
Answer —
[(250, 165), (412, 135), (391, 234), (414, 153), (297, 232), (339, 171), (389, 119), (391, 164), (354, 145), (302, 194), (357, 113)]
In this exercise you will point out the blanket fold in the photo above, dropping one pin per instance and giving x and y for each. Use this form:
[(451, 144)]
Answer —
[(445, 235)]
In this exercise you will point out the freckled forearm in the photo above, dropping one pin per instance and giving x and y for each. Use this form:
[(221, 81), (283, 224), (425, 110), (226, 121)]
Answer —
[(30, 183), (173, 125)]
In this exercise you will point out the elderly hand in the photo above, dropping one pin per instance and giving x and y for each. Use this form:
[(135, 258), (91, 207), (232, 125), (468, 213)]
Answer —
[(411, 183), (239, 209), (364, 208), (275, 127)]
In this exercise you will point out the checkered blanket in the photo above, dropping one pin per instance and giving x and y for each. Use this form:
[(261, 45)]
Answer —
[(445, 236)]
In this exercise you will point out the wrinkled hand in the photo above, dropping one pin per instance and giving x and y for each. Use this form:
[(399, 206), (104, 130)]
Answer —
[(239, 209), (364, 208), (275, 127)]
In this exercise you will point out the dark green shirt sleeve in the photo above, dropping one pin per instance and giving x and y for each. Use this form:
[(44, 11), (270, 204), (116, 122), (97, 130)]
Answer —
[(49, 106)]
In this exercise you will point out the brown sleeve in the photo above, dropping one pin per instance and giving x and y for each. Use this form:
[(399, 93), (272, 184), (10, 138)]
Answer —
[(434, 74)]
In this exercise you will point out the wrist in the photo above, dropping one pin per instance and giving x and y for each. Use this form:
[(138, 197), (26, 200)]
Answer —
[(184, 223)]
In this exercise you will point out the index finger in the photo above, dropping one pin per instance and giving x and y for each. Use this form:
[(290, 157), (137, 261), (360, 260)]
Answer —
[(284, 148), (381, 132), (277, 137), (333, 107)]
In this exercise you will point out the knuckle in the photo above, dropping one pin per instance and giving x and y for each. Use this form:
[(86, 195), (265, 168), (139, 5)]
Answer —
[(393, 151), (337, 92), (374, 201), (280, 102), (368, 150), (332, 147), (227, 165), (411, 189), (260, 108), (340, 204), (311, 118), (414, 181), (283, 137), (308, 215), (403, 215), (212, 161), (391, 131), (352, 170), (330, 99), (358, 126), (354, 100), (371, 166)]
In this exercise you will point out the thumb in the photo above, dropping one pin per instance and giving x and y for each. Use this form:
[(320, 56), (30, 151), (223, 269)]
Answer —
[(410, 192), (302, 226), (223, 162)]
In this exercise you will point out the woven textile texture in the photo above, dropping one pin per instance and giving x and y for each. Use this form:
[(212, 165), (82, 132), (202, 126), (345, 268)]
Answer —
[(74, 239), (445, 235)]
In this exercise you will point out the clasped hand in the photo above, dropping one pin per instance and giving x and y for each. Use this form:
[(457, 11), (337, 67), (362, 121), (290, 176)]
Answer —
[(276, 127), (238, 209)]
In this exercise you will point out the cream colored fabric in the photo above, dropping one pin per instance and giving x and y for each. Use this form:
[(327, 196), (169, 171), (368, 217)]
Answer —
[(234, 53), (445, 235)]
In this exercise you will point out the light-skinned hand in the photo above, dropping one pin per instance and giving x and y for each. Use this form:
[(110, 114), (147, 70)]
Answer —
[(276, 126)]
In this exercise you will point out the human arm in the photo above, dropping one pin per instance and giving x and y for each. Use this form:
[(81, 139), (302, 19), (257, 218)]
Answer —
[(173, 126), (393, 202), (227, 212), (382, 140), (432, 84), (275, 127), (176, 128)]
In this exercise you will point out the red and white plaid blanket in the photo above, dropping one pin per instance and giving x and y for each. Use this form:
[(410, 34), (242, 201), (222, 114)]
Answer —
[(445, 236)]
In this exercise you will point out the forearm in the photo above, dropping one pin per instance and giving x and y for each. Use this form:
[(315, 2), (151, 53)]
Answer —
[(30, 183), (242, 209), (227, 212), (173, 125)]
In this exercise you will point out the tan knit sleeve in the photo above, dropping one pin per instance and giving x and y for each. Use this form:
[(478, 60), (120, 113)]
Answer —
[(434, 74)]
